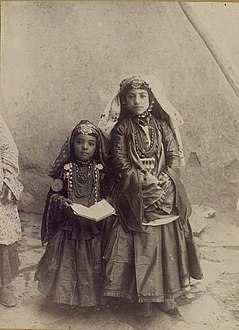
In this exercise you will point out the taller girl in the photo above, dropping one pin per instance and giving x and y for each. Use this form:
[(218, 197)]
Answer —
[(152, 254)]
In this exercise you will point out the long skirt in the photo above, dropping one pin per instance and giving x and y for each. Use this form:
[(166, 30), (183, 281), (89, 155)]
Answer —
[(70, 271), (152, 266), (9, 263)]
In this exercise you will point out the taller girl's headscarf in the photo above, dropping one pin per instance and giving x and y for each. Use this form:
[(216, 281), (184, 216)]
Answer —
[(66, 154), (162, 108)]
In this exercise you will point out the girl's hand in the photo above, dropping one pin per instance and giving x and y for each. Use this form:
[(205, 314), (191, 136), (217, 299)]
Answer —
[(6, 194), (158, 203), (61, 202), (67, 202), (64, 203)]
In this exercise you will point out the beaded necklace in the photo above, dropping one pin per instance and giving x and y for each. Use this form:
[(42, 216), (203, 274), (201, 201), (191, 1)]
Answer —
[(82, 177), (140, 148)]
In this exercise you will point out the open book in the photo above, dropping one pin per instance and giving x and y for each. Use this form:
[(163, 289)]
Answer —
[(96, 212)]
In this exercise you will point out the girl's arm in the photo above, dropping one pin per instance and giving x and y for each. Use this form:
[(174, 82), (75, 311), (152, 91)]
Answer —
[(56, 206), (119, 153), (9, 158), (171, 149)]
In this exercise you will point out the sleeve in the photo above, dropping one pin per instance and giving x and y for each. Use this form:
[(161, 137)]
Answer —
[(9, 157), (104, 184), (54, 212), (170, 147), (123, 168), (120, 159)]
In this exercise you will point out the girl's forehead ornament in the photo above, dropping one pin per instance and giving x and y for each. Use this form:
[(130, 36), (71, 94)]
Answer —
[(85, 129), (134, 82)]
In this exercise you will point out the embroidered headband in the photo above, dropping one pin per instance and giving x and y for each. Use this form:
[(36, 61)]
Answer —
[(133, 82), (86, 129)]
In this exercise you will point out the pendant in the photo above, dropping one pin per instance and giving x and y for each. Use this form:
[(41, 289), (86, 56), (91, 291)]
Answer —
[(57, 185)]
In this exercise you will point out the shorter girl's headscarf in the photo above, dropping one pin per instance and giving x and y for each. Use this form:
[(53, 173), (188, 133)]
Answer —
[(113, 110), (66, 154)]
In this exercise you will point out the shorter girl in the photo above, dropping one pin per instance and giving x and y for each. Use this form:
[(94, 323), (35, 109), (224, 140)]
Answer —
[(70, 271)]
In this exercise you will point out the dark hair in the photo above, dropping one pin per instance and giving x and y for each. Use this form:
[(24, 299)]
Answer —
[(101, 152), (74, 134), (123, 95)]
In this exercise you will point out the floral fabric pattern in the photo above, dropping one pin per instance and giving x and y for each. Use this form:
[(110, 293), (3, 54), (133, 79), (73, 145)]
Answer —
[(10, 227)]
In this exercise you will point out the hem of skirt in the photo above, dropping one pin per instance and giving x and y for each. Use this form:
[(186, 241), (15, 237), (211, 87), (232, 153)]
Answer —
[(141, 299), (117, 294), (59, 302), (200, 277), (151, 299), (65, 302), (10, 242)]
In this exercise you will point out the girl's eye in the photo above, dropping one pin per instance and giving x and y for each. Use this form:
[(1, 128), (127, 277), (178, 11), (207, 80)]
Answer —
[(79, 141), (92, 144)]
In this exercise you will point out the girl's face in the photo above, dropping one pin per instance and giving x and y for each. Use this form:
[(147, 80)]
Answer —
[(137, 100), (84, 146)]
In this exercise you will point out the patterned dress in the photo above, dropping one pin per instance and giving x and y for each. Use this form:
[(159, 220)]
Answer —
[(10, 227)]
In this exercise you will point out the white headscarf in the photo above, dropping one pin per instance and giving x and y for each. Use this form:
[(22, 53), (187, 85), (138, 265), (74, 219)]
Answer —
[(112, 111)]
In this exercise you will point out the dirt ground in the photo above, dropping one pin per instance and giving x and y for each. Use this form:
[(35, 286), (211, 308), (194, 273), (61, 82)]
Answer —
[(212, 303)]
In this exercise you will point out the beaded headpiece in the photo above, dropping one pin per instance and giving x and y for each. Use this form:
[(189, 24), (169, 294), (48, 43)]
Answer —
[(133, 82), (86, 129)]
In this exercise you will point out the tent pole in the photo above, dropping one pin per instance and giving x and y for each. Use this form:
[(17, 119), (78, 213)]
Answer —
[(217, 54)]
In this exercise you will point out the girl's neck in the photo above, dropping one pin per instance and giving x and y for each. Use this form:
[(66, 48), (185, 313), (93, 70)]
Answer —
[(142, 119), (84, 162)]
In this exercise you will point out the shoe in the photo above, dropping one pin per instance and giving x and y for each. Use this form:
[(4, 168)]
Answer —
[(186, 288), (144, 309), (173, 312), (7, 297)]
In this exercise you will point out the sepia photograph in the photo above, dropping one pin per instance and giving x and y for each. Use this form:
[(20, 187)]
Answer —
[(119, 169)]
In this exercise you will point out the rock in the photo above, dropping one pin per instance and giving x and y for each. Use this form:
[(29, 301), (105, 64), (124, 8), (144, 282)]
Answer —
[(205, 211), (198, 223), (209, 213), (199, 216)]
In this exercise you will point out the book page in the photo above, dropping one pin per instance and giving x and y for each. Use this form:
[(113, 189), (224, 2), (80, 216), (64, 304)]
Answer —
[(96, 212)]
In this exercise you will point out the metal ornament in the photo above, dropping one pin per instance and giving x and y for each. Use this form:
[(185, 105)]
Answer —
[(57, 185)]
